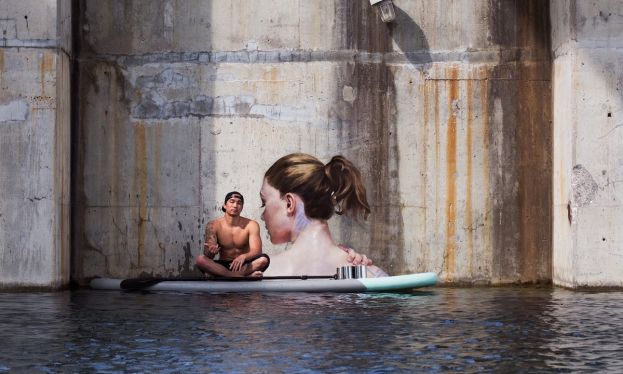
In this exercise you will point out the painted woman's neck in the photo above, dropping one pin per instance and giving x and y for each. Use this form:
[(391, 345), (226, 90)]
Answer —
[(316, 233)]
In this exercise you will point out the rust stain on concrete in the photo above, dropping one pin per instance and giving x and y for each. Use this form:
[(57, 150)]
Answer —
[(425, 93), (64, 242), (140, 174), (48, 65), (437, 150), (484, 116), (451, 171), (469, 220), (157, 155), (275, 85)]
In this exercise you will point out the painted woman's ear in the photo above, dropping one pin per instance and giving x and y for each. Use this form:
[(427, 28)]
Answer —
[(290, 203)]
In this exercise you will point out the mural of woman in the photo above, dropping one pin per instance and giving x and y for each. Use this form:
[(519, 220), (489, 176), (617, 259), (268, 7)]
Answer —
[(299, 194)]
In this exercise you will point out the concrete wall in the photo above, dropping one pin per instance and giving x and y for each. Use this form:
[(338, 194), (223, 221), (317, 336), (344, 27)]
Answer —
[(446, 111), (34, 143), (588, 134)]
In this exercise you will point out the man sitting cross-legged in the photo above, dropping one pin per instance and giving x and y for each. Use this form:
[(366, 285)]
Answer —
[(237, 242)]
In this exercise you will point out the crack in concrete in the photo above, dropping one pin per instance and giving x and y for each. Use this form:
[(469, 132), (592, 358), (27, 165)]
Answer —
[(611, 130), (36, 198)]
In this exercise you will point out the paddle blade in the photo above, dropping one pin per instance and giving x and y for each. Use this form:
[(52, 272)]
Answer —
[(137, 284)]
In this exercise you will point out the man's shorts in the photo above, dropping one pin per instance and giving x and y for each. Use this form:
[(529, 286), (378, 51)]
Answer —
[(227, 263)]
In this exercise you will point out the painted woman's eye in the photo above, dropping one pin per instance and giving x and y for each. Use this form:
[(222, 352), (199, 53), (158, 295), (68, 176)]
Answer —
[(263, 205)]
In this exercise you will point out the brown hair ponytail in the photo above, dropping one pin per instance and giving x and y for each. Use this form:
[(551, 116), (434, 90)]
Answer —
[(321, 187), (347, 186)]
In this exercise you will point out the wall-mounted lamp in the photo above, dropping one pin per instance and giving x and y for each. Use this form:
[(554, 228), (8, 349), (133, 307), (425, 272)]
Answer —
[(386, 7)]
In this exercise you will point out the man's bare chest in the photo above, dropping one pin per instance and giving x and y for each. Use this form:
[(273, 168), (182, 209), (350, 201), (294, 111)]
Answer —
[(233, 237)]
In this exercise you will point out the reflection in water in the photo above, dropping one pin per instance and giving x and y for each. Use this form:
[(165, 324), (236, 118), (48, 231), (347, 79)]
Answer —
[(500, 329)]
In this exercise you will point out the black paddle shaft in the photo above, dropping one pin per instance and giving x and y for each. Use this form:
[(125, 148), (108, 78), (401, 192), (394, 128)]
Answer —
[(136, 284)]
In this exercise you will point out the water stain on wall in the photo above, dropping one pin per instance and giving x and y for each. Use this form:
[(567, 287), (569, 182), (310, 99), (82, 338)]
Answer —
[(368, 126), (140, 181), (1, 67), (102, 156), (521, 165), (484, 271), (84, 252)]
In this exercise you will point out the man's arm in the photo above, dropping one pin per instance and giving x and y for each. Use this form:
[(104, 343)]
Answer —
[(210, 245), (255, 240)]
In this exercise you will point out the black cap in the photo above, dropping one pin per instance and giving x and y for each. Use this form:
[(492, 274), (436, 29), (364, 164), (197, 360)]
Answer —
[(230, 195)]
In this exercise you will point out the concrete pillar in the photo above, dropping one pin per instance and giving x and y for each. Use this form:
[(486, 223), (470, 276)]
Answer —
[(35, 52), (588, 143)]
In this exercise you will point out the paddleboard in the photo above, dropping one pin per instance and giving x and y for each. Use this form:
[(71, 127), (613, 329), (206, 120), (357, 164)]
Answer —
[(384, 284)]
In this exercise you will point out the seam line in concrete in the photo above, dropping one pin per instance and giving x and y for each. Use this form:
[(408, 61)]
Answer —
[(49, 47)]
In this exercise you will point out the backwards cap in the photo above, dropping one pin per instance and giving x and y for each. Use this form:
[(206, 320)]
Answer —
[(233, 194)]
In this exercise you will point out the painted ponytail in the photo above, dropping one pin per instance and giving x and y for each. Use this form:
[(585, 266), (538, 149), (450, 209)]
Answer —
[(347, 187)]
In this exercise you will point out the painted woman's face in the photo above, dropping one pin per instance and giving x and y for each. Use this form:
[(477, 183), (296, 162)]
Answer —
[(275, 215)]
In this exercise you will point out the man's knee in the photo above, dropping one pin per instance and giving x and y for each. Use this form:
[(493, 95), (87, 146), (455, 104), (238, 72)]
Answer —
[(202, 260), (261, 263)]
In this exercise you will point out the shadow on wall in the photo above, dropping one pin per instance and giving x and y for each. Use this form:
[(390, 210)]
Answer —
[(410, 38)]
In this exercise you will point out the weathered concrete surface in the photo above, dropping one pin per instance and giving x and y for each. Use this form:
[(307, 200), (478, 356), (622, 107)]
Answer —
[(588, 133), (34, 144), (446, 111)]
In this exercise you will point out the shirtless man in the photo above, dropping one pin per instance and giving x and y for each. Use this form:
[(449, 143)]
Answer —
[(236, 240)]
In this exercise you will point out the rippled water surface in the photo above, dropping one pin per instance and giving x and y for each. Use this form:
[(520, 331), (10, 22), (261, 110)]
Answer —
[(440, 330)]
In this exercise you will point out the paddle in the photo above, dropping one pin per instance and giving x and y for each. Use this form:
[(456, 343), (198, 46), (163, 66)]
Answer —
[(137, 284)]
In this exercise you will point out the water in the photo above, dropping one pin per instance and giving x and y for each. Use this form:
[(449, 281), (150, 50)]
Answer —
[(441, 330)]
